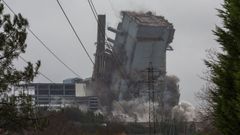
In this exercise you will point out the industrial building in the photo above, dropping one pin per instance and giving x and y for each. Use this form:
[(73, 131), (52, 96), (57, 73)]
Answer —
[(143, 39), (141, 42), (70, 93)]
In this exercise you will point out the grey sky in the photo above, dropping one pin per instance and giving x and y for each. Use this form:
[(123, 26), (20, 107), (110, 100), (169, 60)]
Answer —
[(192, 19)]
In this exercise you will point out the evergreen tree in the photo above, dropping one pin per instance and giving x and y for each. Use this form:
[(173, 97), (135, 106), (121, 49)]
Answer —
[(16, 112), (225, 71)]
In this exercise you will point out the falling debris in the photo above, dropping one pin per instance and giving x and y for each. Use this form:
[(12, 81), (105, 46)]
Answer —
[(121, 74)]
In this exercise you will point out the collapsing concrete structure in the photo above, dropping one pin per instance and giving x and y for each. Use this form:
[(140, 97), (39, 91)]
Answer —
[(142, 40)]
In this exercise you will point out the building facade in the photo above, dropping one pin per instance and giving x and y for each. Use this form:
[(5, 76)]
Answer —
[(60, 95), (141, 42)]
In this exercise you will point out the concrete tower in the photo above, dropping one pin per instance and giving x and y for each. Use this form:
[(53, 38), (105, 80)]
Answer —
[(141, 38)]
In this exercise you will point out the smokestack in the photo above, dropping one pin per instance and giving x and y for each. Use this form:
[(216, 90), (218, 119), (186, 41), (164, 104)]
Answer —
[(99, 56), (101, 33)]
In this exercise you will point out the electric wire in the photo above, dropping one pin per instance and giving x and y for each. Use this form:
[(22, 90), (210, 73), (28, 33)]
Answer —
[(75, 31), (43, 44), (38, 71), (93, 9), (36, 124), (95, 14), (117, 61), (113, 9)]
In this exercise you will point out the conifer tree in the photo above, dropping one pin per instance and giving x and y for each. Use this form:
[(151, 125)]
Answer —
[(225, 71), (16, 112)]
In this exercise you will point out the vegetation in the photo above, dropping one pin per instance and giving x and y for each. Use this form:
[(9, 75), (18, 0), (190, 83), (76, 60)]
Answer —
[(72, 121), (16, 112), (223, 93)]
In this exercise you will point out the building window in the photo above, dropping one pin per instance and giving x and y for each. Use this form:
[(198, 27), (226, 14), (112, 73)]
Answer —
[(70, 92), (42, 92), (70, 87), (42, 98), (56, 92), (43, 102), (56, 87), (42, 86)]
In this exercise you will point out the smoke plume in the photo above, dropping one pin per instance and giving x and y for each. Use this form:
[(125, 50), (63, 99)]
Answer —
[(135, 109), (184, 112)]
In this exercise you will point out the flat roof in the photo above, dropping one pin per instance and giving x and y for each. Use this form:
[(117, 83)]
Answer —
[(35, 84), (147, 18)]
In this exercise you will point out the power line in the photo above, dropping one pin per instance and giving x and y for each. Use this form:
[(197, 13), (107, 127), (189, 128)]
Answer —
[(93, 9), (95, 14), (102, 31), (38, 71), (117, 61), (113, 9), (43, 44), (75, 32), (69, 68)]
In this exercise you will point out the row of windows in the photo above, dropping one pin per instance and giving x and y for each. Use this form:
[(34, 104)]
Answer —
[(56, 86), (56, 92), (43, 98), (70, 92), (55, 101), (43, 92), (42, 102), (93, 102)]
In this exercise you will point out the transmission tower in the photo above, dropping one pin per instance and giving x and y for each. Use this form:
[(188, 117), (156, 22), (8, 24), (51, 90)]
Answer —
[(151, 80)]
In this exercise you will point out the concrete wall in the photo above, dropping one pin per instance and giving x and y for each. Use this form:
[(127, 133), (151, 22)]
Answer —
[(136, 46), (80, 89)]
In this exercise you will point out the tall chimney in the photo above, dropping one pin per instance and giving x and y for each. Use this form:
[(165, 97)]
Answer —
[(100, 50)]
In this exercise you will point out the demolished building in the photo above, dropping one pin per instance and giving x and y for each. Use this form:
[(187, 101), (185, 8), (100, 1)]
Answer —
[(121, 70)]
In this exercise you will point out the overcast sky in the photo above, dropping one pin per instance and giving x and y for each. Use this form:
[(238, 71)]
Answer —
[(192, 19)]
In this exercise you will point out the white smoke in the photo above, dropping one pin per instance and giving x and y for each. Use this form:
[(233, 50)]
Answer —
[(118, 103), (172, 94), (184, 112), (135, 110), (58, 102)]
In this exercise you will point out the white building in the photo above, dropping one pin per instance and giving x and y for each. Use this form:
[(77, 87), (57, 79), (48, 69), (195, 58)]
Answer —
[(60, 95)]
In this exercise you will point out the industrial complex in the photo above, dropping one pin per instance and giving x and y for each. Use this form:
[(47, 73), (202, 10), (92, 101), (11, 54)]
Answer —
[(129, 80), (129, 67), (133, 65), (70, 93)]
